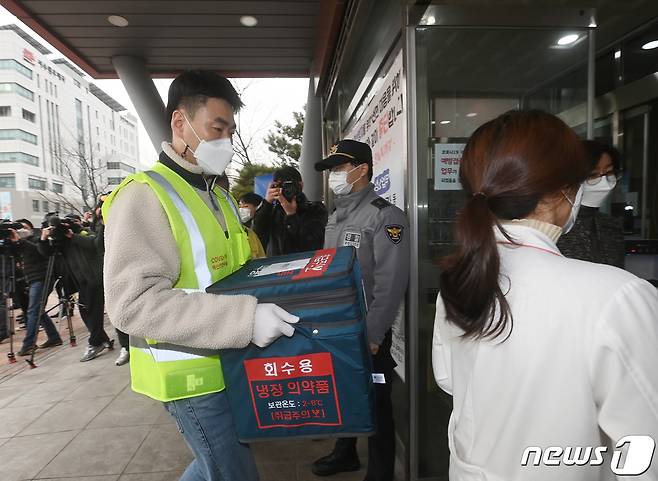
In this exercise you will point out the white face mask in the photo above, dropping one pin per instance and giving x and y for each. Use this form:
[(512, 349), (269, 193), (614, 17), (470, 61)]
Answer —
[(213, 156), (24, 233), (245, 214), (338, 182), (575, 207), (595, 195)]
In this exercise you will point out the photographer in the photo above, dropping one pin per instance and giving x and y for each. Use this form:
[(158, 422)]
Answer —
[(83, 259), (286, 221), (34, 268), (8, 261)]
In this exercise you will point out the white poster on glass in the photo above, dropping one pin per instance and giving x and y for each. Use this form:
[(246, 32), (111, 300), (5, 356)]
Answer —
[(447, 158), (383, 127)]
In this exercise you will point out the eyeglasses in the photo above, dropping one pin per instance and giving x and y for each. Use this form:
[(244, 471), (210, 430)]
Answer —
[(611, 177)]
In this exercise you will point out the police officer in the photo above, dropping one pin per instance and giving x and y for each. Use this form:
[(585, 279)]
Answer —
[(378, 230)]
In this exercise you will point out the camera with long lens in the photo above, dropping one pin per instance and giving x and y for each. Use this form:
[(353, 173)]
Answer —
[(6, 226), (60, 226), (290, 189)]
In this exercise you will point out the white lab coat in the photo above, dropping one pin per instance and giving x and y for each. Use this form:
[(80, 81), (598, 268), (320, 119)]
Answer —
[(579, 369)]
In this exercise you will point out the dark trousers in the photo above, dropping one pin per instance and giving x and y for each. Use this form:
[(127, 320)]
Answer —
[(124, 339), (381, 445), (92, 306)]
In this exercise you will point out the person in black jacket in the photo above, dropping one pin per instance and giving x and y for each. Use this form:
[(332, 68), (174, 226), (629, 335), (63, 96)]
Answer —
[(34, 269), (82, 256), (287, 222), (596, 236)]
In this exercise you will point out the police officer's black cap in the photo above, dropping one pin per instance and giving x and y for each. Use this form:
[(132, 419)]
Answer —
[(346, 151)]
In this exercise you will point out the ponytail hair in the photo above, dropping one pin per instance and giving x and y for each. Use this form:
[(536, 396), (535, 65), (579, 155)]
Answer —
[(509, 164)]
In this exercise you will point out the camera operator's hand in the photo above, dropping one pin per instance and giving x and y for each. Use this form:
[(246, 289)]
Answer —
[(290, 208), (45, 233), (273, 193), (14, 237)]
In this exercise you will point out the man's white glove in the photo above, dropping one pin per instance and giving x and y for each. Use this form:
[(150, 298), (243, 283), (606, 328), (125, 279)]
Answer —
[(270, 323)]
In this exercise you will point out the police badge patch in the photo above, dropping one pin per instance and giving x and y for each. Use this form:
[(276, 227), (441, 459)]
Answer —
[(394, 233), (352, 239)]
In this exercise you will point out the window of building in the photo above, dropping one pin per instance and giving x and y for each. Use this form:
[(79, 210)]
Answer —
[(113, 165), (77, 84), (55, 87), (7, 181), (127, 168), (18, 134), (58, 188), (22, 157), (97, 115), (56, 206), (36, 184), (13, 87), (38, 81), (27, 115), (46, 205), (5, 111), (11, 64), (35, 205), (114, 180)]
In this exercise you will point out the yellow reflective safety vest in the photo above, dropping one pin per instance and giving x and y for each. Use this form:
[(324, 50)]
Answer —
[(165, 371)]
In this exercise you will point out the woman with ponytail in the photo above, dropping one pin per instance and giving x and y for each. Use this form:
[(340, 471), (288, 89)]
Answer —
[(538, 350)]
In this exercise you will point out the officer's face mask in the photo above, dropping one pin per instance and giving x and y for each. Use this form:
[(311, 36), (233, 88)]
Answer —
[(245, 214), (338, 182), (213, 156), (596, 191), (575, 207)]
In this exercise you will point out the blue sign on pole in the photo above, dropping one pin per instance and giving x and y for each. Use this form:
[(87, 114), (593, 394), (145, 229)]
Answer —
[(261, 183)]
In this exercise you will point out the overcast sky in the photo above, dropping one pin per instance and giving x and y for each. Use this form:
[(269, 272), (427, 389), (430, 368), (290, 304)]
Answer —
[(266, 100)]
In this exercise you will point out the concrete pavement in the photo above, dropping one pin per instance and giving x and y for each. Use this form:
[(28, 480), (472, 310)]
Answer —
[(73, 421)]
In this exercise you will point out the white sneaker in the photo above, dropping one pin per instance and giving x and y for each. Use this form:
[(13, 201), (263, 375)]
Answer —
[(124, 357)]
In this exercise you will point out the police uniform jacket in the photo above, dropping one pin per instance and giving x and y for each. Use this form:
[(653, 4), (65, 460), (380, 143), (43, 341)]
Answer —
[(379, 231)]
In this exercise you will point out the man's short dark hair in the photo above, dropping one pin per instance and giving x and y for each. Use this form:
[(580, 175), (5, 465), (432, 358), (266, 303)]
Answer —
[(287, 173), (25, 221), (251, 198), (192, 89)]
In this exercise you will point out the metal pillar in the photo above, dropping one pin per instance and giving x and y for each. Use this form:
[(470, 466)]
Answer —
[(145, 97), (591, 79), (311, 145)]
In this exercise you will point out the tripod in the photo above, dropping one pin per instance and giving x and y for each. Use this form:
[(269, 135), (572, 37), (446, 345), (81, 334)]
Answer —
[(63, 305), (8, 288)]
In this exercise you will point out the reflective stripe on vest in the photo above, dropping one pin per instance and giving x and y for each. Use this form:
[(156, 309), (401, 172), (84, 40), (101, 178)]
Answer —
[(203, 276)]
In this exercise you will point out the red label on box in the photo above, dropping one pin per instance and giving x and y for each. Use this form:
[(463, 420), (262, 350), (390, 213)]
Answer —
[(294, 391), (318, 264)]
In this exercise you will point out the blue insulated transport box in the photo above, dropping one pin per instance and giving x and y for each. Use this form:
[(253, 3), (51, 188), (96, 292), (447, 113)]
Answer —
[(318, 382)]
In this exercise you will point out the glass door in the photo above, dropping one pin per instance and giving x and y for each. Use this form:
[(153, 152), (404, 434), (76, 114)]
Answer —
[(465, 76)]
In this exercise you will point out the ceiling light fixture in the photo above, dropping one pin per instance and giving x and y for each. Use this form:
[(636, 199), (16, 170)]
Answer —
[(118, 20), (471, 114), (433, 122), (568, 39), (431, 20), (444, 122), (248, 21), (650, 45), (617, 54)]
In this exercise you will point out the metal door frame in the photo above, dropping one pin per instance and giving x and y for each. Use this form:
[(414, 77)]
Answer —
[(472, 17)]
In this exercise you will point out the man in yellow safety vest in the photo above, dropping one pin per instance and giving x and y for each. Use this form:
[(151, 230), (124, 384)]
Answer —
[(171, 232)]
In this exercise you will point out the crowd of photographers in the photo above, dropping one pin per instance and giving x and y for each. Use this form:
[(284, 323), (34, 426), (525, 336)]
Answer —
[(283, 222), (65, 254)]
